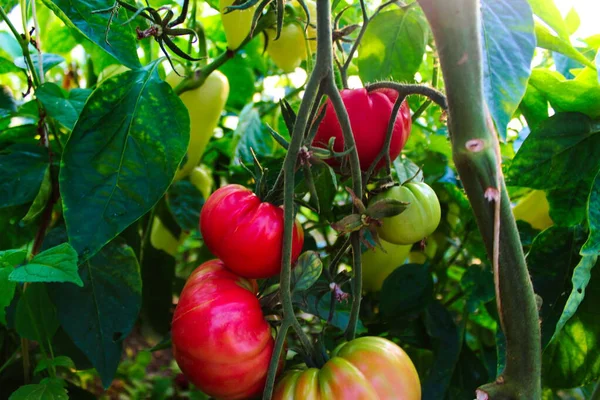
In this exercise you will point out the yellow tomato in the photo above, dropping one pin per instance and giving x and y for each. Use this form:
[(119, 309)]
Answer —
[(378, 264), (289, 50), (205, 105), (236, 24), (534, 209)]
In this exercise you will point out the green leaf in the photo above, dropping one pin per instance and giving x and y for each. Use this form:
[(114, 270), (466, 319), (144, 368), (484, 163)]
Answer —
[(446, 340), (121, 157), (48, 389), (581, 94), (564, 143), (307, 271), (185, 203), (393, 46), (64, 107), (49, 61), (48, 363), (7, 101), (7, 66), (241, 79), (572, 358), (252, 133), (549, 13), (36, 315), (546, 40), (58, 264), (325, 186), (407, 290), (478, 284), (553, 255), (41, 200), (9, 44), (568, 204), (8, 260), (158, 274), (99, 315), (79, 14), (406, 169), (592, 245), (508, 46), (22, 169), (534, 107)]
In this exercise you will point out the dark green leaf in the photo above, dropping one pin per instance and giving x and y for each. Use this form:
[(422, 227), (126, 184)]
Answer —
[(325, 185), (121, 156), (307, 271), (446, 340), (321, 306), (64, 107), (22, 169), (407, 290), (562, 144), (478, 284), (241, 80), (48, 389), (7, 101), (49, 61), (41, 200), (48, 363), (36, 315), (393, 46), (15, 233), (406, 169), (8, 260), (185, 203), (251, 133), (79, 15), (8, 5), (99, 315), (470, 373), (572, 358), (568, 204), (508, 45), (592, 245), (553, 255), (534, 107), (58, 264)]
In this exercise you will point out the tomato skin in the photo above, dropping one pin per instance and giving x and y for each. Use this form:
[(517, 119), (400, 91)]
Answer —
[(378, 265), (369, 114), (236, 24), (367, 368), (246, 233), (221, 340), (420, 218), (204, 105), (289, 50)]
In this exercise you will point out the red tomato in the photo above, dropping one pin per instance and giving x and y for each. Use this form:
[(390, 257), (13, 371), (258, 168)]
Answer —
[(369, 114), (221, 340), (245, 233), (367, 368)]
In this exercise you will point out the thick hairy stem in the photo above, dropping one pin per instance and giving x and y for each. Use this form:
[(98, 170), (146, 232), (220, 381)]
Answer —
[(456, 29)]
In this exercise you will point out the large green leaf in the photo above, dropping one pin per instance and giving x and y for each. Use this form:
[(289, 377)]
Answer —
[(550, 14), (47, 389), (57, 264), (241, 80), (99, 315), (49, 61), (568, 204), (572, 358), (121, 157), (158, 274), (251, 133), (592, 245), (546, 40), (581, 94), (407, 290), (561, 145), (185, 203), (508, 45), (393, 46), (36, 315), (64, 107), (7, 101), (79, 14), (22, 169), (8, 260)]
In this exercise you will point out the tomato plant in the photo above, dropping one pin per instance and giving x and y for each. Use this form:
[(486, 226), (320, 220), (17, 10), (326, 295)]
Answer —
[(289, 50), (369, 114), (245, 232), (224, 355), (379, 262), (236, 23), (365, 368), (420, 218)]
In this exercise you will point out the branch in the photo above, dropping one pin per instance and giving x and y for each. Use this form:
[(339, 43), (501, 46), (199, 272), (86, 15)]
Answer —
[(476, 156)]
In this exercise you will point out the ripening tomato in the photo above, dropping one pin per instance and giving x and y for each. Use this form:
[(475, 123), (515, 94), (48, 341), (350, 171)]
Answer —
[(420, 218), (378, 264), (369, 114), (367, 368), (236, 24), (245, 232), (204, 105), (221, 340), (289, 50)]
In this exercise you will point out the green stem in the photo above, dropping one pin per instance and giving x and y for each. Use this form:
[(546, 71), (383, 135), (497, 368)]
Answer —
[(476, 156), (274, 364)]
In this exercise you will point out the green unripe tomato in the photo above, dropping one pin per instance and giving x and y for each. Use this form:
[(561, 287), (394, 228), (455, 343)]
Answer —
[(289, 50), (204, 105), (201, 178), (420, 218), (236, 24), (378, 264)]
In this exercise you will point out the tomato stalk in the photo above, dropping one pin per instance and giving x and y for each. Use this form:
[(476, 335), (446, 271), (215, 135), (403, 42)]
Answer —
[(477, 159)]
